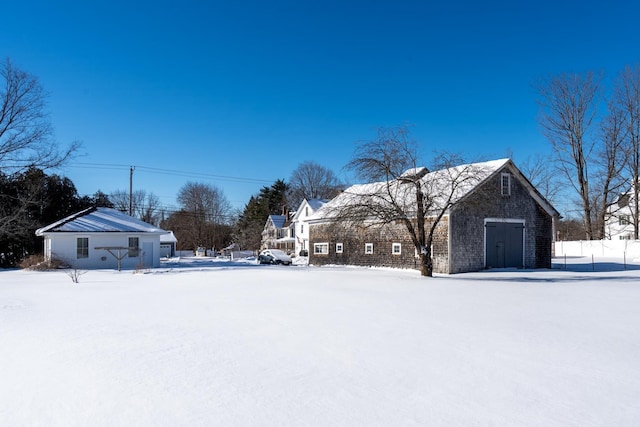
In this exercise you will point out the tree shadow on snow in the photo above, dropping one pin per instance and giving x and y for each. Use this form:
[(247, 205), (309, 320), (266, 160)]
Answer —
[(561, 271)]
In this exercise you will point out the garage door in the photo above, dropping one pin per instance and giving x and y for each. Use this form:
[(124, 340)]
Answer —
[(504, 244)]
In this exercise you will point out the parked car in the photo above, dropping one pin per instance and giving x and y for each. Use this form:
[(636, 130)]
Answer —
[(274, 256)]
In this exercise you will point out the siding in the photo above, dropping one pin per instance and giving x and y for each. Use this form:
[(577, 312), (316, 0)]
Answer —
[(468, 221), (63, 246), (383, 237), (465, 226)]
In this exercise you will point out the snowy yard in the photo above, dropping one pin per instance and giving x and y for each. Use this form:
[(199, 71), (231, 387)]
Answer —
[(207, 343)]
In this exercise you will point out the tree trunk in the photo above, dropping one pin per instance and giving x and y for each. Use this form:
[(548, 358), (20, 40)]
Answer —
[(426, 267)]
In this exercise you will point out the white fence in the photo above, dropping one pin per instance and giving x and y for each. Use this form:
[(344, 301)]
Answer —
[(599, 248)]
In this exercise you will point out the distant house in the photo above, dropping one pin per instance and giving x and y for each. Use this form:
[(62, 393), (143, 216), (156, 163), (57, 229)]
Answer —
[(279, 233), (168, 244), (301, 224), (102, 238), (619, 221), (499, 221)]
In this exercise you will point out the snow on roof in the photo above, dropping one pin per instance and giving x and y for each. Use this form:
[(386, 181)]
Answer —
[(99, 220), (436, 183), (169, 237), (414, 173), (316, 204)]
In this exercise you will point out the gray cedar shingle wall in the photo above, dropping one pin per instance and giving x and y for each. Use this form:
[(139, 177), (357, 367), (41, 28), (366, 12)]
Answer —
[(467, 236), (467, 222), (354, 240)]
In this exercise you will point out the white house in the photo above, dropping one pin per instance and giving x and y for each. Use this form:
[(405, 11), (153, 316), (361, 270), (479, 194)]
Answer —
[(102, 238), (278, 233), (619, 222), (306, 209)]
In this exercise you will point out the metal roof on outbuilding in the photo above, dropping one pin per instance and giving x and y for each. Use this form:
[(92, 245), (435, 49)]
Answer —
[(99, 220)]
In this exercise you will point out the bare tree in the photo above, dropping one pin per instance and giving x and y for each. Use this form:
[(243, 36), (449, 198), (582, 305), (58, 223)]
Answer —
[(610, 160), (120, 200), (26, 138), (146, 206), (541, 173), (402, 191), (568, 109), (26, 135), (208, 207), (312, 181), (627, 100), (149, 209)]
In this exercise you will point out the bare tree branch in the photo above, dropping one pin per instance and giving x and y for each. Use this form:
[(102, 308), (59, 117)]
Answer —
[(568, 108), (404, 193), (26, 135)]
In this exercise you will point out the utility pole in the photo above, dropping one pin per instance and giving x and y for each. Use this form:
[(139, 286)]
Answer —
[(131, 190)]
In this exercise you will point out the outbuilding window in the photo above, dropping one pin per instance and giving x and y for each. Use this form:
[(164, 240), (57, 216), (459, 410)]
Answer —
[(339, 248), (505, 183), (82, 247), (134, 243), (368, 248), (396, 248)]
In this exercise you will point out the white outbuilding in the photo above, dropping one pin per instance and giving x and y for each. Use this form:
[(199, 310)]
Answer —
[(97, 238)]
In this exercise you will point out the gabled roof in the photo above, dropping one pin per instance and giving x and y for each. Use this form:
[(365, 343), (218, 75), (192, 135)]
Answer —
[(437, 184), (278, 220), (99, 220), (314, 204)]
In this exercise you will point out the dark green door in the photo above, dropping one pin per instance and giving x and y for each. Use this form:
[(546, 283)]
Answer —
[(504, 244)]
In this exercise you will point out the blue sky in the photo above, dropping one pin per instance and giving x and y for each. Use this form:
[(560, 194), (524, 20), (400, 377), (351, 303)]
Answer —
[(238, 94)]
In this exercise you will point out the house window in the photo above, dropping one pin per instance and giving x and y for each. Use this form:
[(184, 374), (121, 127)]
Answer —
[(82, 247), (624, 220), (133, 247), (301, 228), (505, 184), (368, 248), (321, 248), (396, 248), (338, 248), (306, 211)]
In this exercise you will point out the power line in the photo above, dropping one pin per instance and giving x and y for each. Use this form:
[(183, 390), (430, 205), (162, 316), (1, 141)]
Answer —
[(168, 172)]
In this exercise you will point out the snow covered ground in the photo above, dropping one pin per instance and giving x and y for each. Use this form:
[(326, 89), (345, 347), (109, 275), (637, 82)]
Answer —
[(201, 343)]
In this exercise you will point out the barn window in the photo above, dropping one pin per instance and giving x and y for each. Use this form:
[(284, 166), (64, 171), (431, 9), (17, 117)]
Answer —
[(505, 182), (396, 248), (368, 248), (321, 248), (133, 247), (339, 248), (82, 247)]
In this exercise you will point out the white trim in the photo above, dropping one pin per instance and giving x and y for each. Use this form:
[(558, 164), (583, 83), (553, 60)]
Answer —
[(366, 247), (399, 246), (504, 175), (323, 244), (78, 247)]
